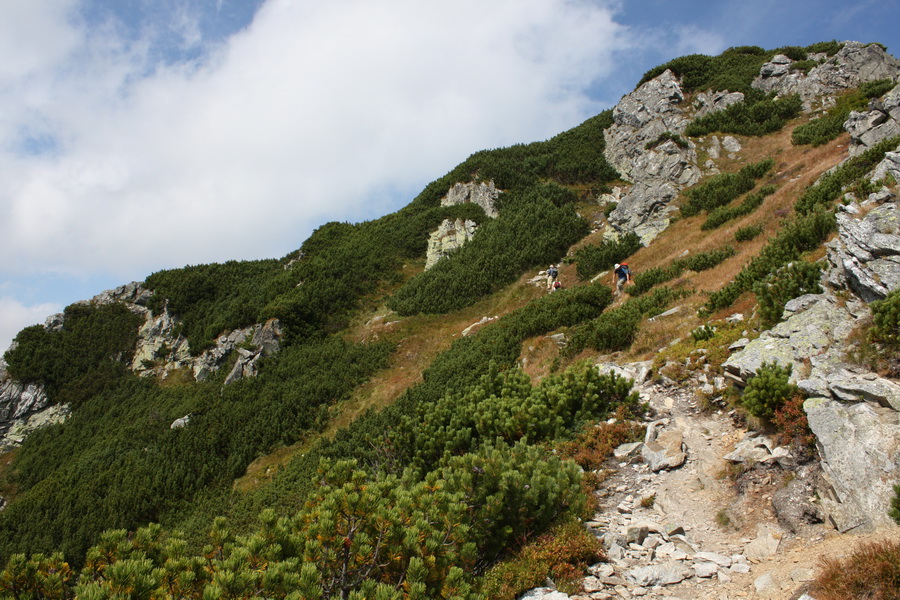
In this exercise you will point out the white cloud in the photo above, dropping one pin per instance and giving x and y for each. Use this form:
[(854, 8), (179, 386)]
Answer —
[(14, 316), (316, 111)]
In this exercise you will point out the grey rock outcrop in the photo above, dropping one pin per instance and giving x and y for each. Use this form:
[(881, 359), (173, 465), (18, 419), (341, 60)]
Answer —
[(880, 122), (23, 408), (713, 101), (484, 194), (860, 449), (866, 254), (852, 65), (659, 172), (450, 235)]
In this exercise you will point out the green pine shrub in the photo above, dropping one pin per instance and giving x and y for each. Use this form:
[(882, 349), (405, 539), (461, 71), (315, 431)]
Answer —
[(89, 353), (721, 215), (702, 261), (590, 260), (703, 333), (829, 126), (895, 505), (530, 231), (733, 70), (886, 320), (830, 186), (768, 390), (758, 114), (616, 329), (786, 283), (720, 190), (830, 48), (747, 233), (801, 235)]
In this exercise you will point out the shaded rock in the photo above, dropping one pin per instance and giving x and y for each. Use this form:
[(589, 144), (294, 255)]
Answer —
[(860, 449), (21, 428), (793, 504), (714, 101), (869, 388)]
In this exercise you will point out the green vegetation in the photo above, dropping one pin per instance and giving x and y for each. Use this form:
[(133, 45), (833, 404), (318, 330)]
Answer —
[(721, 215), (829, 126), (886, 320), (531, 231), (732, 70), (615, 329), (895, 505), (745, 234), (801, 235), (830, 186), (786, 283), (80, 359), (768, 390), (592, 259), (701, 261), (757, 114), (718, 191)]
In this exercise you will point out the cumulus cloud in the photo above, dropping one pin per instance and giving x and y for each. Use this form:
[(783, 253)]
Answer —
[(316, 111), (14, 316)]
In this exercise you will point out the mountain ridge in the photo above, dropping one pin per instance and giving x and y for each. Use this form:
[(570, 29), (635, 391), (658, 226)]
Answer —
[(307, 315)]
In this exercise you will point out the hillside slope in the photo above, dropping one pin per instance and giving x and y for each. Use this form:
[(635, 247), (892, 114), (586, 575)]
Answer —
[(406, 431)]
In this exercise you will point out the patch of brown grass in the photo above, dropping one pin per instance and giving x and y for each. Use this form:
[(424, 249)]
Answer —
[(871, 572)]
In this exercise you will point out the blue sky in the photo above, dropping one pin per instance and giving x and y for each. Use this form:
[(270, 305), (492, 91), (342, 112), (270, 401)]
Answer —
[(139, 135)]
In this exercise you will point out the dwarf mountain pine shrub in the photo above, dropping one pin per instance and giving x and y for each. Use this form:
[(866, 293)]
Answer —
[(886, 320), (721, 215), (829, 126), (758, 114), (747, 233), (786, 283), (768, 390), (590, 260), (722, 189)]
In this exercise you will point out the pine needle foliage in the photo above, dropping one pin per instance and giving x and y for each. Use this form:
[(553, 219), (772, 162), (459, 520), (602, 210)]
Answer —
[(786, 283), (701, 261), (530, 231), (594, 258), (768, 390), (721, 189), (757, 114), (830, 125), (721, 215)]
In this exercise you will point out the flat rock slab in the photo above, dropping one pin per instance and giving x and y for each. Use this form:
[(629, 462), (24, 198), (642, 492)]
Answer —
[(665, 452), (666, 574)]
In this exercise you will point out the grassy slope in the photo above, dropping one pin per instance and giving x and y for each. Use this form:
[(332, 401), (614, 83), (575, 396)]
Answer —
[(420, 338)]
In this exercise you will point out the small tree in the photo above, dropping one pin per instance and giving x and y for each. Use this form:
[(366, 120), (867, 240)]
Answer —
[(768, 390)]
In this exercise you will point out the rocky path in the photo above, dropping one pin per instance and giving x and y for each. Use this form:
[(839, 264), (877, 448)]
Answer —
[(690, 530)]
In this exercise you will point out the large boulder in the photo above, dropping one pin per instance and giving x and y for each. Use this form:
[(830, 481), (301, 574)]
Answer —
[(859, 445), (18, 403)]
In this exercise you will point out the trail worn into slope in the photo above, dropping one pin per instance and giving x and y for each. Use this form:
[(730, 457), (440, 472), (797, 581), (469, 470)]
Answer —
[(702, 536)]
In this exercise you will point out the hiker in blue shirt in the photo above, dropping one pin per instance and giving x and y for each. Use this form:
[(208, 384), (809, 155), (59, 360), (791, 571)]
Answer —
[(621, 276)]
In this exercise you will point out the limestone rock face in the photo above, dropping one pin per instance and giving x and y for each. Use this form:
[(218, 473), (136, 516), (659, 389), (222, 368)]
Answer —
[(450, 235), (657, 173), (860, 449), (19, 403), (880, 122), (712, 101), (481, 193), (866, 254), (852, 65)]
